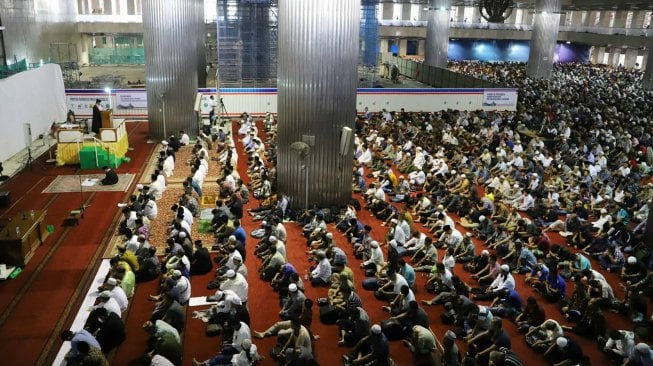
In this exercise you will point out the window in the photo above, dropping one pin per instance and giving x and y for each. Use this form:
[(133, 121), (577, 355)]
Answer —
[(647, 18), (412, 46), (397, 10), (597, 18), (453, 14), (379, 10), (210, 11), (519, 14), (606, 58), (638, 62), (629, 19), (583, 17), (414, 12), (468, 14), (622, 59)]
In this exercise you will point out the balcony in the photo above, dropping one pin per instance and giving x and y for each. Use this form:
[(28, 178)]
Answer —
[(634, 32), (108, 18)]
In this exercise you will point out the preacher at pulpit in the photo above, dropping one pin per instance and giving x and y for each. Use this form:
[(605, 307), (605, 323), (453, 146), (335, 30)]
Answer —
[(110, 177), (97, 117)]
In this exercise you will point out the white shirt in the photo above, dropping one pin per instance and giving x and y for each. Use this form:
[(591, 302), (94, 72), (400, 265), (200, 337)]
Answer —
[(501, 283), (239, 336), (184, 139), (323, 270), (238, 285), (111, 305), (376, 257), (156, 190), (121, 298), (183, 285), (169, 166), (151, 210)]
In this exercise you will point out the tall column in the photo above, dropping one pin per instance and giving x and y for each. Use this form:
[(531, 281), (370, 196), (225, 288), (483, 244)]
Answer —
[(201, 47), (170, 33), (648, 71), (437, 34), (317, 79), (543, 39)]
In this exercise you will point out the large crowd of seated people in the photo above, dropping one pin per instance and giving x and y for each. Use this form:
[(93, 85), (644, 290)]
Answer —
[(554, 195)]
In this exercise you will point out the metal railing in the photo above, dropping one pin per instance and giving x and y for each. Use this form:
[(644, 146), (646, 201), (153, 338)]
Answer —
[(437, 77), (641, 32), (81, 141)]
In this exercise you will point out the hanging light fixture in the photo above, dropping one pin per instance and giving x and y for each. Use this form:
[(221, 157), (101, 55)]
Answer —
[(495, 11)]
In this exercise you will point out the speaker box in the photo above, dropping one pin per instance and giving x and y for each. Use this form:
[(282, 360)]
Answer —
[(5, 199)]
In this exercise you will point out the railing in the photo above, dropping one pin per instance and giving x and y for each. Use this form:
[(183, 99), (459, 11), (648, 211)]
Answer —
[(82, 139), (437, 77), (640, 32), (523, 27), (117, 56), (108, 18), (15, 68)]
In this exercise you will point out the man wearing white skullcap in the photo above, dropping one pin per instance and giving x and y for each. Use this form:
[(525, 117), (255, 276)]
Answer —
[(372, 349), (564, 351), (237, 283)]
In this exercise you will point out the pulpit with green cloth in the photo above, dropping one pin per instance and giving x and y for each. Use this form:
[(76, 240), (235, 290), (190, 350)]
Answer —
[(73, 147)]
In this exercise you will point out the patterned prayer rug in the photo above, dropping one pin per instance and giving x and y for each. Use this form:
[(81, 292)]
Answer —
[(77, 183)]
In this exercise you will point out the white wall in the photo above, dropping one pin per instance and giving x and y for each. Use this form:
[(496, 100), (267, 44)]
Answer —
[(260, 101), (36, 97)]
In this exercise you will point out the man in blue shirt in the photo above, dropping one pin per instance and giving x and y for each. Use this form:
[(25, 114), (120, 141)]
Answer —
[(555, 287), (407, 271), (507, 304), (74, 338), (239, 232)]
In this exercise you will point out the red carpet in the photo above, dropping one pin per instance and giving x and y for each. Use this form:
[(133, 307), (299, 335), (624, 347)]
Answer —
[(36, 305), (264, 306)]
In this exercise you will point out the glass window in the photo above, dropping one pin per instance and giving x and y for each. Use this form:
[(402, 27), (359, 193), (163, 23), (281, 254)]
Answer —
[(469, 14), (629, 19), (414, 12), (397, 10), (412, 46), (647, 18)]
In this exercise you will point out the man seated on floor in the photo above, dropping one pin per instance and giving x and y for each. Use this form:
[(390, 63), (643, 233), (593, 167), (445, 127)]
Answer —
[(110, 177), (374, 349)]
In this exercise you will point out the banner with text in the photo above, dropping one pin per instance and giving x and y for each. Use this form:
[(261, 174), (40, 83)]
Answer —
[(131, 99), (500, 98), (82, 104)]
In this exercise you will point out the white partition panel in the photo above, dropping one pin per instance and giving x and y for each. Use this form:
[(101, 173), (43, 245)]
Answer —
[(35, 97)]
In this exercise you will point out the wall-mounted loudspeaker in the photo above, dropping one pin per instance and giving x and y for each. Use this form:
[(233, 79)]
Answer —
[(345, 140)]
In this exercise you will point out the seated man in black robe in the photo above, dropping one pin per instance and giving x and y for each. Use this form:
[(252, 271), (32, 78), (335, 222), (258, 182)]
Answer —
[(110, 177)]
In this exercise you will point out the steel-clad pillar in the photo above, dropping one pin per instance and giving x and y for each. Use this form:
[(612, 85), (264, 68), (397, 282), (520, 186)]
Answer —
[(171, 30), (543, 38), (437, 33), (317, 78)]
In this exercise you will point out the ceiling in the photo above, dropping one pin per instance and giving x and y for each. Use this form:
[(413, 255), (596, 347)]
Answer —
[(566, 4)]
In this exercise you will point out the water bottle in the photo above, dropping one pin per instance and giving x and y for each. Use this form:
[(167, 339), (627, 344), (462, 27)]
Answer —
[(17, 230)]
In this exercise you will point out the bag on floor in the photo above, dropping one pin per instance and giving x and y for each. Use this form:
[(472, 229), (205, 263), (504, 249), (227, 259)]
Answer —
[(370, 284), (328, 314), (392, 329), (213, 330)]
